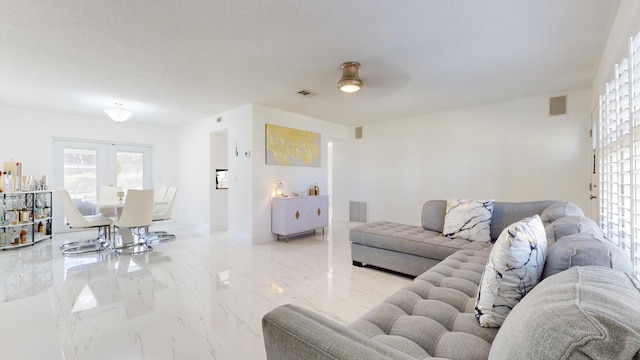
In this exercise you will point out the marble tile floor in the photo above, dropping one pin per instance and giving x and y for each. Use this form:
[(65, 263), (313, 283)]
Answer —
[(199, 297)]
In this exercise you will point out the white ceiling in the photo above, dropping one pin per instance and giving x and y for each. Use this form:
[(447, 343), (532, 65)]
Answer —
[(174, 62)]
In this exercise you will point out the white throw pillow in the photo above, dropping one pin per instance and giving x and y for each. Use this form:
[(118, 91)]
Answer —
[(514, 267), (468, 219)]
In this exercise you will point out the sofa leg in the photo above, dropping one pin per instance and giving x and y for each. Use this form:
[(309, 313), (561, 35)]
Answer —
[(357, 263)]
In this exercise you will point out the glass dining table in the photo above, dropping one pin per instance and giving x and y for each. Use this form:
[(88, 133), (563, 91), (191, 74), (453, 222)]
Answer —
[(115, 207)]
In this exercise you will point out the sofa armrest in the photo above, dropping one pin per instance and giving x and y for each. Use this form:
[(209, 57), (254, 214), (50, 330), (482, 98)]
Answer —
[(293, 333)]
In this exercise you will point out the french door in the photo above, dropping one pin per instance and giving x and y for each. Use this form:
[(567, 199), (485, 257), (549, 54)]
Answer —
[(83, 167)]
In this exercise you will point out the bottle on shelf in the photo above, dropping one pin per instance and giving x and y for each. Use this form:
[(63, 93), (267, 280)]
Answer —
[(12, 217), (17, 186), (41, 227), (23, 236), (8, 182), (3, 238), (25, 213), (15, 236)]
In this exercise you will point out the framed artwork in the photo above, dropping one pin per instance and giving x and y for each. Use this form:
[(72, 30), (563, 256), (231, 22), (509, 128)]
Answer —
[(286, 146)]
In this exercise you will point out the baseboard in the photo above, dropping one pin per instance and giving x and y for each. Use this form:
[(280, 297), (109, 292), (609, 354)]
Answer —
[(240, 238), (195, 226)]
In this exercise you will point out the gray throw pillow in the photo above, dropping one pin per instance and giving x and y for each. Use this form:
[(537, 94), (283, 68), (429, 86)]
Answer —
[(558, 210), (582, 313), (584, 250), (569, 225), (514, 267)]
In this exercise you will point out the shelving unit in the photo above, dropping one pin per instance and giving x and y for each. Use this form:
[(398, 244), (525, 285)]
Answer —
[(25, 218)]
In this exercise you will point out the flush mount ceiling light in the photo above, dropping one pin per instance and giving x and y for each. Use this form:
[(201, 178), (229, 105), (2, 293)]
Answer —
[(350, 81), (117, 113)]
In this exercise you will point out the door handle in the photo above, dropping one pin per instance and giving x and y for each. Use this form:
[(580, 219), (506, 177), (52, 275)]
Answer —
[(592, 197)]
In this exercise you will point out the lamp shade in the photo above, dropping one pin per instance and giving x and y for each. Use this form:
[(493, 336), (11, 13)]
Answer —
[(350, 81), (118, 114)]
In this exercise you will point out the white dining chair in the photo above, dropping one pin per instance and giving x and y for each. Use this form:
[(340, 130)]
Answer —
[(163, 211), (137, 215), (76, 220), (108, 199), (159, 193)]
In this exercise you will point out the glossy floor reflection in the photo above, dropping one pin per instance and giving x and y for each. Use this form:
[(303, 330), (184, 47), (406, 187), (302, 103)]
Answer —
[(199, 297)]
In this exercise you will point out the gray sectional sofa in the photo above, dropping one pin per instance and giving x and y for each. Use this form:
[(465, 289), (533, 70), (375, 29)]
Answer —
[(586, 306), (412, 250)]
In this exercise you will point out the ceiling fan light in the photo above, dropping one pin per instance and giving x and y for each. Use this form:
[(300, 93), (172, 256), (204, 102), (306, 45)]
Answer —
[(350, 81), (118, 114)]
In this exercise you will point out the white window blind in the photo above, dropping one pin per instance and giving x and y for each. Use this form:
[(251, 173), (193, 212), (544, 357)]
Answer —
[(619, 150)]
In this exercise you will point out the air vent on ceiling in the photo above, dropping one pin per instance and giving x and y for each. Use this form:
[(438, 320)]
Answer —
[(304, 92)]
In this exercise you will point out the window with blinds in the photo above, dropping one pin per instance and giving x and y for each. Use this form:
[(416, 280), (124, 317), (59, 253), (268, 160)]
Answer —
[(619, 160)]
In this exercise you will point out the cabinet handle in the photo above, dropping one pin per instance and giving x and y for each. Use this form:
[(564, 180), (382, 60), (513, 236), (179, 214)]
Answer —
[(297, 215), (319, 211)]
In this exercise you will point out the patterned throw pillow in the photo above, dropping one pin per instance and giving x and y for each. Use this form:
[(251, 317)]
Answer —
[(468, 219), (514, 267)]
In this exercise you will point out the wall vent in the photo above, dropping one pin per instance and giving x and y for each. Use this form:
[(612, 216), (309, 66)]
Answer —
[(558, 105), (358, 211), (359, 132)]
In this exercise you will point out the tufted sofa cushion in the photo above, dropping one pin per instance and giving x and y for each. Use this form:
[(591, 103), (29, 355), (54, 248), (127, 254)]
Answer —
[(585, 250), (434, 316), (569, 225), (560, 210), (410, 239)]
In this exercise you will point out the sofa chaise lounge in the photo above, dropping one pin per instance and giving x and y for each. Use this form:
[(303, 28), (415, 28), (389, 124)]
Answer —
[(412, 249)]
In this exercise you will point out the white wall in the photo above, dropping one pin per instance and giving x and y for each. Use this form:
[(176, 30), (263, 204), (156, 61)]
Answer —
[(510, 151), (240, 173), (294, 178), (251, 180), (27, 137), (193, 148), (194, 171), (219, 201)]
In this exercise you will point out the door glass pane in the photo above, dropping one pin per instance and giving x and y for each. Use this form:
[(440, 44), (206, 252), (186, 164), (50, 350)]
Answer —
[(80, 178), (130, 170)]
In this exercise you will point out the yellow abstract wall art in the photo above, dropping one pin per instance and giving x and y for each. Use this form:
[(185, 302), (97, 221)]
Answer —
[(286, 146)]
